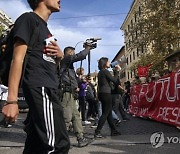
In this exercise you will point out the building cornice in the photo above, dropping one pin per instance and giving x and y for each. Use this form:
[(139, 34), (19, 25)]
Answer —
[(133, 5)]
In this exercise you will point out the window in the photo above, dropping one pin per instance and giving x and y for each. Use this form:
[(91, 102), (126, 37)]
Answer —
[(137, 52), (131, 23), (130, 58), (135, 17), (133, 55), (139, 11), (124, 74), (127, 61), (128, 28), (136, 34), (142, 48)]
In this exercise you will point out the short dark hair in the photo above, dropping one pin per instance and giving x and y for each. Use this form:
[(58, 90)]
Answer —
[(102, 63), (33, 4), (66, 49)]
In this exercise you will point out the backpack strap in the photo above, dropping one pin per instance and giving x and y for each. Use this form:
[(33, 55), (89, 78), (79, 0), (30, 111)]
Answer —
[(32, 42)]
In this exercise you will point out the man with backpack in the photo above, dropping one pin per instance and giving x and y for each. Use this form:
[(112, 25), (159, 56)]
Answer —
[(70, 90), (45, 126)]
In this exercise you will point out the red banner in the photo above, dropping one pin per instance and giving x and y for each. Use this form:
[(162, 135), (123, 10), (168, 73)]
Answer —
[(158, 100)]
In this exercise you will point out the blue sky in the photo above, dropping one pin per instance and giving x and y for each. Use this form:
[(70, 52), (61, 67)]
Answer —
[(82, 19)]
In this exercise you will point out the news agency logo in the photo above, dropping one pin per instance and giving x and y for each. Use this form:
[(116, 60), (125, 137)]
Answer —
[(157, 139)]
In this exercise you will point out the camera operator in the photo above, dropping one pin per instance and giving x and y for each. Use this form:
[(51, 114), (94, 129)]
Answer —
[(70, 91)]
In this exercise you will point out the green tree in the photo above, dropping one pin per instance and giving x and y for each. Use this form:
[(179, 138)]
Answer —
[(157, 30)]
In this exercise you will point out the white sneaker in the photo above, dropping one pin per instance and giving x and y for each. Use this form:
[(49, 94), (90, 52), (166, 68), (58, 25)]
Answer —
[(91, 119), (95, 125), (86, 122)]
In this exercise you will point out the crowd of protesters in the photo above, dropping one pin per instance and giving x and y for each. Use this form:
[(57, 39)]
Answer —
[(80, 101)]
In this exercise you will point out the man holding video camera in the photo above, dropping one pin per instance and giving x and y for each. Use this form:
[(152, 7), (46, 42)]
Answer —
[(69, 88)]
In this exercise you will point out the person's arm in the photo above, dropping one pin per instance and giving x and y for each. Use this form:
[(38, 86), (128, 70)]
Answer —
[(10, 110), (81, 55), (111, 78), (120, 87)]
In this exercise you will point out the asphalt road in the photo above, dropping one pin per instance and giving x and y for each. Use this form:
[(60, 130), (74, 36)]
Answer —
[(135, 139)]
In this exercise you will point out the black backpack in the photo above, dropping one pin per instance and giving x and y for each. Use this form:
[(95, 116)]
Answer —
[(6, 52)]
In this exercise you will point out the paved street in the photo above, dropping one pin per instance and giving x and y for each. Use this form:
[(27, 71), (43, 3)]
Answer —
[(135, 139)]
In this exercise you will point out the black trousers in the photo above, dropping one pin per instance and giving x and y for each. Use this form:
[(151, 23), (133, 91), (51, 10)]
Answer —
[(117, 105), (45, 126), (82, 107), (106, 101), (92, 108)]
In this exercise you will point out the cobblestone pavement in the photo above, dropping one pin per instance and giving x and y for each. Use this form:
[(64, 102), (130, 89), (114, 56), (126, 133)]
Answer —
[(135, 138)]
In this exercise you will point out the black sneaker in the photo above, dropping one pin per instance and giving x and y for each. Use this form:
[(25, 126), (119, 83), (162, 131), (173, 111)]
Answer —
[(115, 133), (82, 142), (125, 119), (98, 135)]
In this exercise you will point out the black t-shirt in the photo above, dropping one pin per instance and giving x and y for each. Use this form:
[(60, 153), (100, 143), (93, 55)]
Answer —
[(41, 70)]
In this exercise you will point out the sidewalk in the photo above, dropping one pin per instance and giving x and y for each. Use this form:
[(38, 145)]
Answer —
[(135, 139)]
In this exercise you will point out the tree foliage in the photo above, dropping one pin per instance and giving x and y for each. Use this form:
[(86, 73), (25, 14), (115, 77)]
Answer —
[(158, 30)]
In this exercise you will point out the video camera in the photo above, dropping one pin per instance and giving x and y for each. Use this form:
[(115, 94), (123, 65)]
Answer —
[(92, 42)]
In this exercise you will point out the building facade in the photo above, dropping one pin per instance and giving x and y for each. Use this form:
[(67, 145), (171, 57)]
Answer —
[(132, 54), (5, 21), (134, 34)]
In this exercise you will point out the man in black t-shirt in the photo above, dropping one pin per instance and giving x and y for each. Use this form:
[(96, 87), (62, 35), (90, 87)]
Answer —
[(45, 125)]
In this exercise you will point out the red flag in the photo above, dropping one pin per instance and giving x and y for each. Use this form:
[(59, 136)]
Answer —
[(143, 71)]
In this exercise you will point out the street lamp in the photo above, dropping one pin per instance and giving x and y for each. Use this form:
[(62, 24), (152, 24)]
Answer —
[(77, 44)]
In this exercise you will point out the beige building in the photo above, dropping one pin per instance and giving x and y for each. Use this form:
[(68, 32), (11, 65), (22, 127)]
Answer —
[(131, 36), (131, 53), (5, 21)]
